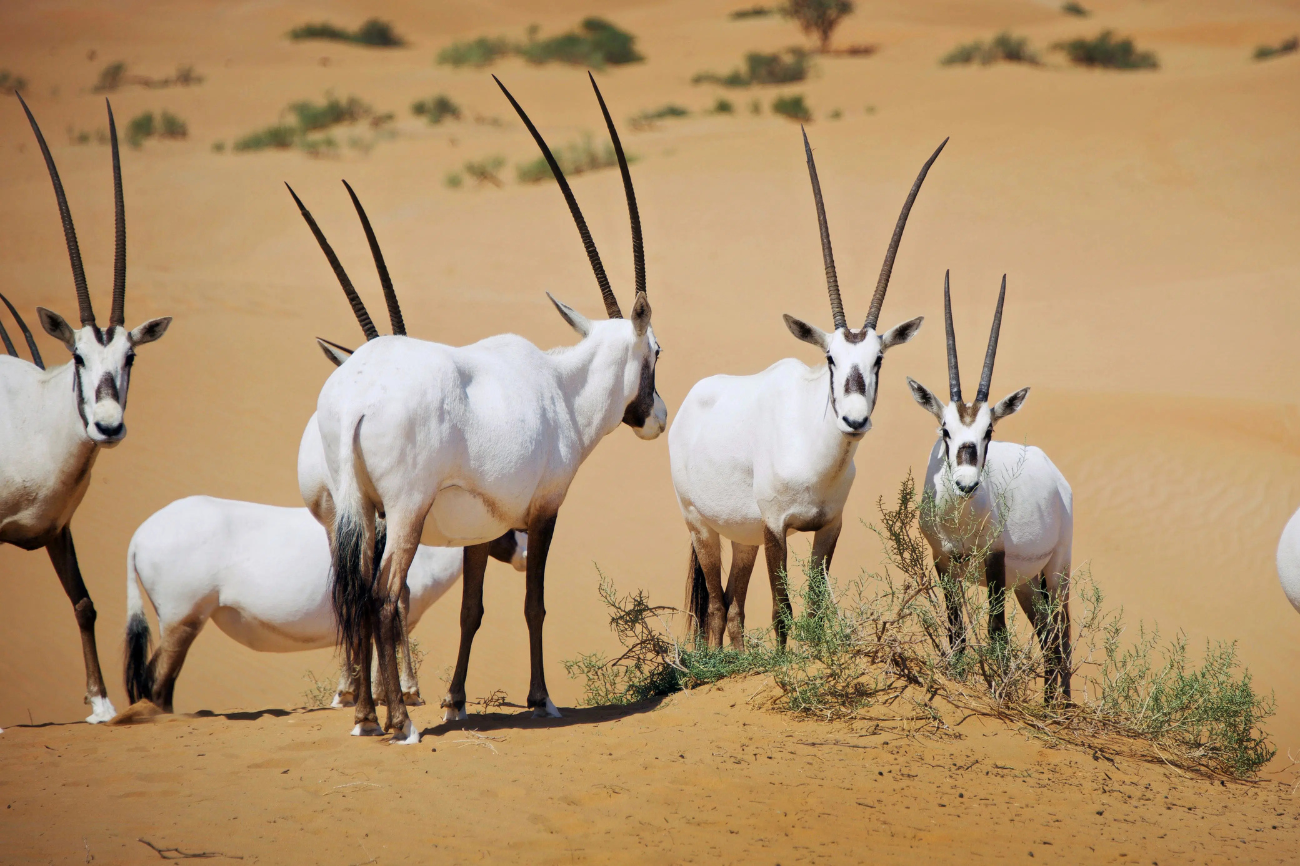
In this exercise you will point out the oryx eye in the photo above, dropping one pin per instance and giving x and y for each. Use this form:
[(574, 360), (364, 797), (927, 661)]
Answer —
[(830, 362), (130, 358), (78, 360), (879, 359), (944, 431)]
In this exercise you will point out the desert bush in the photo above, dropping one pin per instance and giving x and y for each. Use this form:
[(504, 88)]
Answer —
[(280, 135), (1107, 52), (453, 180), (476, 52), (374, 32), (784, 67), (485, 170), (114, 76), (595, 43), (1074, 8), (818, 18), (436, 109), (319, 692), (312, 116), (646, 119), (145, 126), (1003, 47), (11, 82), (751, 12), (792, 106), (574, 158), (722, 106), (111, 77), (880, 652), (1263, 52)]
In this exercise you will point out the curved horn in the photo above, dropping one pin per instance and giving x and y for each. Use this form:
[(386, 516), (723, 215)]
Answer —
[(358, 308), (9, 344), (69, 232), (828, 257), (390, 296), (986, 377), (882, 284), (638, 247), (117, 316), (606, 293), (27, 335), (954, 375)]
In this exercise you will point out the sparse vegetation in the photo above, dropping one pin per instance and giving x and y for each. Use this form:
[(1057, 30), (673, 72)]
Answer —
[(1074, 8), (1003, 47), (752, 12), (11, 82), (574, 158), (722, 106), (114, 76), (306, 117), (880, 652), (374, 32), (784, 67), (595, 43), (453, 180), (147, 125), (646, 119), (1263, 52), (1106, 52), (793, 107), (486, 170), (818, 18), (319, 692), (436, 109), (476, 52)]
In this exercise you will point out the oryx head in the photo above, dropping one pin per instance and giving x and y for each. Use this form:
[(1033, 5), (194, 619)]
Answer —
[(101, 357), (967, 428), (645, 412), (853, 358)]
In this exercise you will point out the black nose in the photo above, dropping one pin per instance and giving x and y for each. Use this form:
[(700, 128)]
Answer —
[(108, 430), (968, 488), (853, 425)]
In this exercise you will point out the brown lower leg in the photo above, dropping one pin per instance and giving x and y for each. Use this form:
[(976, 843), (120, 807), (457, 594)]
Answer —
[(364, 712), (540, 533), (64, 558), (774, 551), (176, 642), (995, 572), (471, 617), (743, 557)]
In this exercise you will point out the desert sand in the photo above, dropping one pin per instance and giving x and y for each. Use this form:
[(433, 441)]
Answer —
[(1146, 222)]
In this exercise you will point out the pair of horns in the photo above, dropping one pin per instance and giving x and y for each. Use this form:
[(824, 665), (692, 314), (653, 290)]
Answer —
[(358, 308), (828, 258), (117, 316), (638, 248), (986, 376)]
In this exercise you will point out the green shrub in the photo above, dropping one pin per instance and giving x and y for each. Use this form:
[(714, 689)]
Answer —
[(110, 77), (818, 18), (722, 106), (487, 170), (751, 12), (312, 116), (1263, 52), (11, 83), (453, 180), (595, 43), (1106, 52), (171, 126), (1074, 8), (139, 128), (784, 67), (374, 32), (574, 159), (145, 126), (281, 135), (1003, 47), (308, 117), (435, 109), (218, 147), (476, 52), (320, 691), (792, 106), (647, 118)]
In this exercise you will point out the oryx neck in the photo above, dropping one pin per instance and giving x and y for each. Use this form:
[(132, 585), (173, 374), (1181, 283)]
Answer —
[(592, 375)]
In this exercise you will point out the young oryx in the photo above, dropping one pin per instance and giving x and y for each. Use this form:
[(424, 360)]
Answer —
[(755, 458), (465, 443), (53, 423), (1288, 560), (261, 573), (1008, 502)]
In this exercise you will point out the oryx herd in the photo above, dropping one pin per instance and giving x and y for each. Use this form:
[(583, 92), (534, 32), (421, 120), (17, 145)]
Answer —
[(474, 448)]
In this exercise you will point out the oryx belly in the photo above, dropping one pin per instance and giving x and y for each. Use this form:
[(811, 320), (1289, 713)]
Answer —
[(460, 517)]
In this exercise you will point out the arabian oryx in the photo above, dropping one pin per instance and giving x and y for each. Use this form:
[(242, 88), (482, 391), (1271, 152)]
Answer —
[(1007, 503), (1288, 560), (53, 423), (755, 458), (261, 573), (462, 444)]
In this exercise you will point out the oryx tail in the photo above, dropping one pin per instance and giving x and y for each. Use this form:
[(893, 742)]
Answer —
[(137, 672), (358, 547)]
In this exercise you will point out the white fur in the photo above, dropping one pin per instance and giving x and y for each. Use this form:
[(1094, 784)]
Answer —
[(1288, 560)]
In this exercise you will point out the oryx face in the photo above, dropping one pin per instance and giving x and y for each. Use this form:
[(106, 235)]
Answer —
[(647, 414), (101, 373)]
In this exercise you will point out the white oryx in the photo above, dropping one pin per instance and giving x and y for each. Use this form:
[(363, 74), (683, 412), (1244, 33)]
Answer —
[(262, 574), (462, 444), (1008, 503), (755, 458), (1288, 560), (53, 422)]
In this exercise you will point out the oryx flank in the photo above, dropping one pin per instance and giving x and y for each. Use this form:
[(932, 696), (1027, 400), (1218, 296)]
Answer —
[(53, 422), (1288, 560)]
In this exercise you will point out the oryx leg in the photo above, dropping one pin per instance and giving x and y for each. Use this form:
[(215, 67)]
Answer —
[(365, 717), (64, 558), (743, 557), (346, 694), (774, 551), (174, 644), (540, 532), (1056, 583), (824, 541), (471, 617), (995, 573), (951, 580), (400, 548), (410, 684), (708, 554)]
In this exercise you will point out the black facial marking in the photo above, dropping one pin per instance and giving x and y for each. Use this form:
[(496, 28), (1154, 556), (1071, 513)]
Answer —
[(855, 384), (967, 455), (106, 389), (76, 391), (644, 404), (852, 336)]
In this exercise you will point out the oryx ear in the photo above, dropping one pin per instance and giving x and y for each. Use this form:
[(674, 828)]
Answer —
[(1010, 405), (925, 398), (150, 331), (900, 334), (641, 314), (808, 333), (576, 320), (336, 353), (56, 327)]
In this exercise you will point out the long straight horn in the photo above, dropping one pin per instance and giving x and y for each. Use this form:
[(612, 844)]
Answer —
[(358, 308), (606, 293), (828, 257), (986, 377), (954, 375), (27, 335), (117, 316), (638, 247), (69, 232), (882, 284), (390, 296)]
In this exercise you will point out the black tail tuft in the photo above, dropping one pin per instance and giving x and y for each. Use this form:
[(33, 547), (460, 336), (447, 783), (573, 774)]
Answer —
[(137, 671), (697, 596), (353, 590)]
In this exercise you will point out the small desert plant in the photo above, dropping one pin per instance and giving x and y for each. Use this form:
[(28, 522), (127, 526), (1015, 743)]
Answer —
[(280, 135), (1107, 52), (793, 107), (485, 170), (784, 67), (646, 119), (1263, 52), (111, 77), (1003, 47), (751, 12), (147, 125), (818, 18), (574, 158), (11, 83), (1073, 8), (374, 32), (436, 109), (453, 180), (722, 106), (319, 692), (312, 116), (476, 52), (595, 43), (308, 117)]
